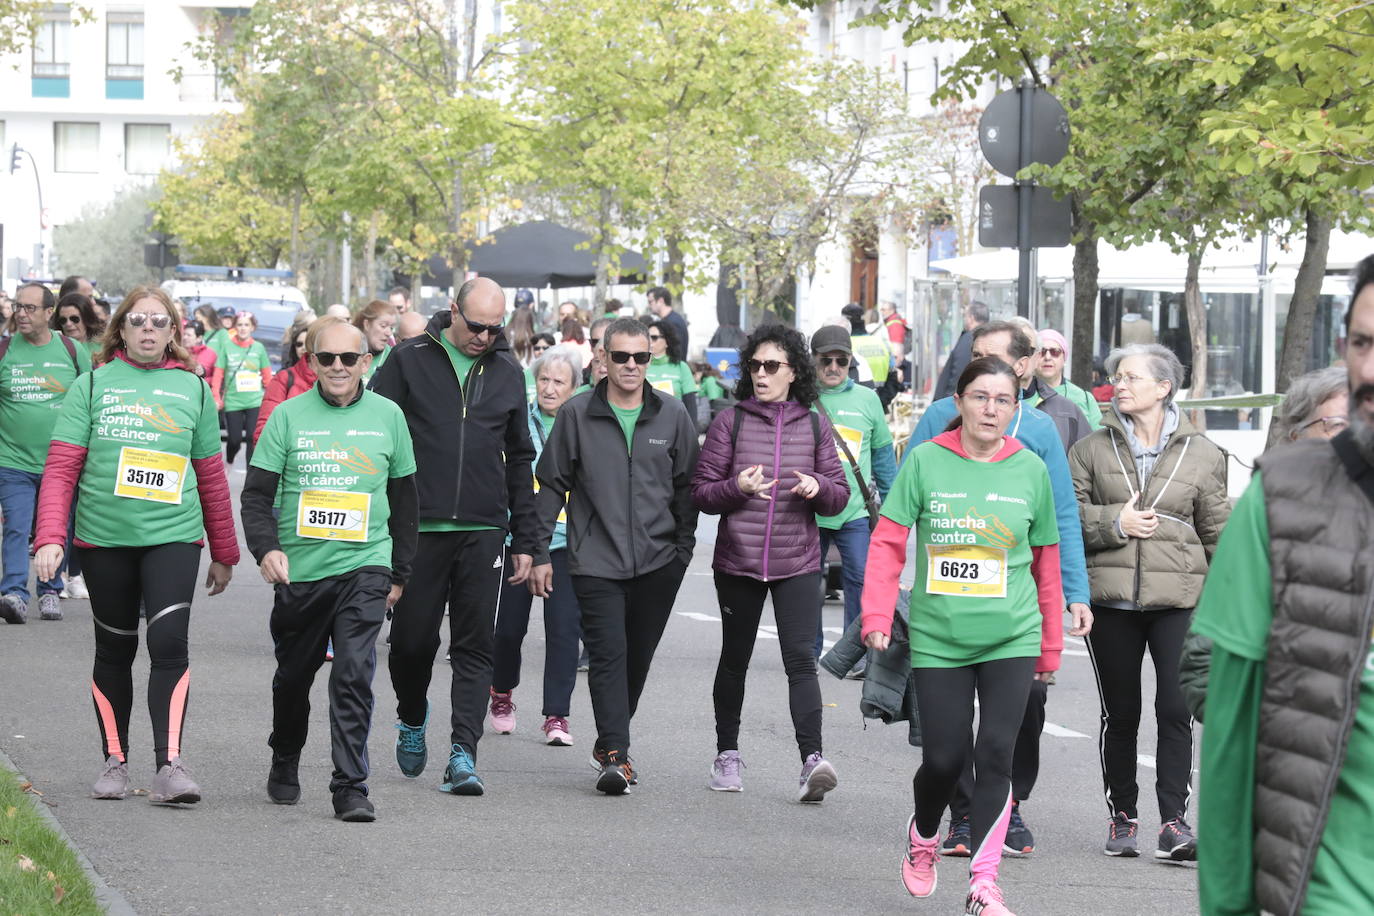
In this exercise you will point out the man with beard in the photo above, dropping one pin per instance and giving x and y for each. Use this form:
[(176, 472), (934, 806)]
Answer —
[(1288, 750)]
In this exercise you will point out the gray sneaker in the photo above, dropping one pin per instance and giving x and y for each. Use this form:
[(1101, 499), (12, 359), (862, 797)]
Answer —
[(114, 782), (14, 609), (49, 607), (817, 778), (725, 772), (174, 786), (1122, 837)]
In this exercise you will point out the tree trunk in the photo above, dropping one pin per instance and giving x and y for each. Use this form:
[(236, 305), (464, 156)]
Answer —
[(676, 268), (1084, 304), (603, 252), (296, 230), (1302, 309), (367, 288), (1197, 334)]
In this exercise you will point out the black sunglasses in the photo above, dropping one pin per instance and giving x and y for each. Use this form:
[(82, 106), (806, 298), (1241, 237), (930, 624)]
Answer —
[(841, 361), (70, 319), (771, 366), (349, 360), (655, 336), (478, 328), (641, 358)]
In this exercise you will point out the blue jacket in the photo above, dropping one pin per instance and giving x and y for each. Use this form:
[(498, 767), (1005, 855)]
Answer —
[(537, 437), (1037, 432)]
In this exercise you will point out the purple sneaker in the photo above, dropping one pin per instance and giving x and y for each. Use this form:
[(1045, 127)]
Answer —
[(817, 778), (725, 772)]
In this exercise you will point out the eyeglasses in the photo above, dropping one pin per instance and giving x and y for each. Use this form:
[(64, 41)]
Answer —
[(1131, 380), (980, 400), (326, 359), (70, 319), (30, 307), (540, 348), (653, 337), (641, 358), (841, 361), (139, 319), (477, 328), (771, 366), (1330, 425), (1054, 352), (595, 341)]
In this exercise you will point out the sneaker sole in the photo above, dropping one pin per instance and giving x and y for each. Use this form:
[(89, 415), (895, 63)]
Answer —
[(182, 798), (111, 796), (502, 731), (283, 799), (470, 787), (958, 852), (612, 783), (818, 783), (725, 788), (559, 741), (57, 616), (1122, 853), (356, 816), (1182, 854)]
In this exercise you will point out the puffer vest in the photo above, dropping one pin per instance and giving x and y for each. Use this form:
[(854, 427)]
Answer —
[(1322, 560)]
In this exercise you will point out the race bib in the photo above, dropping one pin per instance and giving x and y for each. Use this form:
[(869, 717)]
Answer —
[(854, 438), (333, 515), (665, 385), (146, 474), (966, 570), (562, 516), (246, 382)]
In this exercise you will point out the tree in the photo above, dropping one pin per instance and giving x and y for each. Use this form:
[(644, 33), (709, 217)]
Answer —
[(106, 242), (943, 170)]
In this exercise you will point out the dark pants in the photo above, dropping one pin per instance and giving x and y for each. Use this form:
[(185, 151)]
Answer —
[(622, 622), (944, 697), (463, 570), (1117, 647), (305, 615), (1025, 759), (562, 630), (852, 540), (18, 495), (238, 431), (125, 584), (795, 609)]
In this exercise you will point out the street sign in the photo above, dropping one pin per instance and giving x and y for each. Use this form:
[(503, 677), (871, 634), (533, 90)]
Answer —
[(1051, 222), (999, 131)]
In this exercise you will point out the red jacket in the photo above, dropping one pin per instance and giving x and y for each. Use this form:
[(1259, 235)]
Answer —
[(285, 385)]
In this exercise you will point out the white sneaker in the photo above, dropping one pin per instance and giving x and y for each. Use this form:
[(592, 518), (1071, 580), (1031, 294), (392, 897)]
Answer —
[(76, 588)]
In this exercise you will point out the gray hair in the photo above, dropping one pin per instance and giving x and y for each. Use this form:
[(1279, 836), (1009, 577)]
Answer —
[(1306, 394), (1164, 365), (565, 355), (1029, 330)]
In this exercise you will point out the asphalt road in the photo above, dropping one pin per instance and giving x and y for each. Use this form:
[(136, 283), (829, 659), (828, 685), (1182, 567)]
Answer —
[(542, 838)]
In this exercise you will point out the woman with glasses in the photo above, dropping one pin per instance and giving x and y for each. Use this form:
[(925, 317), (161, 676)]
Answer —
[(1152, 494), (242, 371), (295, 377), (139, 439), (377, 321), (76, 318), (986, 614), (1050, 361), (669, 371), (768, 468), (539, 344), (1316, 406)]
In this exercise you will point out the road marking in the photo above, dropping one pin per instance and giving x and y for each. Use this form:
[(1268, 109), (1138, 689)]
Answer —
[(1060, 731), (766, 631)]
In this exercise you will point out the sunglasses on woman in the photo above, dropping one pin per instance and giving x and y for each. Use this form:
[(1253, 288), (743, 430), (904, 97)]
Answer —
[(621, 356), (70, 319), (540, 348), (326, 359), (139, 319), (771, 366)]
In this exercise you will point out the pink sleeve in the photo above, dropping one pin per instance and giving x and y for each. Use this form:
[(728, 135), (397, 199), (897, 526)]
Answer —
[(60, 474), (1050, 592), (217, 508), (882, 576)]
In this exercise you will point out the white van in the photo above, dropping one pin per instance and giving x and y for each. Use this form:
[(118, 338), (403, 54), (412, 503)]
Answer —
[(274, 304)]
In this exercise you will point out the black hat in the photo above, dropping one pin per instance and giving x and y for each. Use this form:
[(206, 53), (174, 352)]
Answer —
[(228, 312), (831, 338)]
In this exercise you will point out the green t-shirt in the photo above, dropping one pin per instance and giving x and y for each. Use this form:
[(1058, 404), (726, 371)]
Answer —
[(1236, 611), (858, 418), (671, 378), (138, 487), (34, 381), (242, 385), (377, 361), (976, 522), (335, 463), (462, 365), (531, 387), (711, 388), (628, 417)]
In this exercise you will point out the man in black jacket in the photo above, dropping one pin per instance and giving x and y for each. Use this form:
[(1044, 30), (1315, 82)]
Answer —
[(463, 396), (622, 456), (975, 314)]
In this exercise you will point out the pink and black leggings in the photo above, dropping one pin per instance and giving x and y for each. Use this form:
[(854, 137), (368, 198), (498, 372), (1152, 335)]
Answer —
[(944, 698), (126, 583)]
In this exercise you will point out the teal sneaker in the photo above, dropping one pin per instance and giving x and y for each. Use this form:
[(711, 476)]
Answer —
[(461, 776), (411, 752)]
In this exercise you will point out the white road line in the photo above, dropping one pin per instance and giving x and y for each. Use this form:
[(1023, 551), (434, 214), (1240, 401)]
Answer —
[(1060, 731)]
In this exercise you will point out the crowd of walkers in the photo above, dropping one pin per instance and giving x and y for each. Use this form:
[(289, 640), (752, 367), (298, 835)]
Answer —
[(460, 469)]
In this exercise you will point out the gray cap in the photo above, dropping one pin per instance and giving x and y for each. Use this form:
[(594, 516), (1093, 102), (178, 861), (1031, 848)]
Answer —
[(830, 338)]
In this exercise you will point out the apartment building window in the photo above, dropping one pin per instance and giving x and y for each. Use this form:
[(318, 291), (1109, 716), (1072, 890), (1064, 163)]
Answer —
[(76, 146), (52, 54), (147, 148), (124, 53)]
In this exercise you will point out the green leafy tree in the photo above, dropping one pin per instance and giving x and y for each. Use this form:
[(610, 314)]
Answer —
[(106, 242)]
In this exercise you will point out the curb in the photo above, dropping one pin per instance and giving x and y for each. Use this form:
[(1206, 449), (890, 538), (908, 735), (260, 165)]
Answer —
[(110, 899)]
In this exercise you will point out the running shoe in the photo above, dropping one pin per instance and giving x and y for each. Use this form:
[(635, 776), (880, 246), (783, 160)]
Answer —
[(556, 733), (172, 785), (959, 841), (1177, 843), (918, 868), (461, 776), (1019, 841), (76, 587), (985, 899), (352, 805), (725, 772), (617, 774), (817, 778), (14, 609), (283, 783), (502, 712), (114, 782), (1121, 836), (584, 660), (49, 607), (411, 752)]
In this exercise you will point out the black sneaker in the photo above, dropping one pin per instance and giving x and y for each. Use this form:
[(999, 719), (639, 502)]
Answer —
[(617, 774), (352, 804), (1019, 841), (1121, 836), (959, 841), (1177, 842), (283, 785)]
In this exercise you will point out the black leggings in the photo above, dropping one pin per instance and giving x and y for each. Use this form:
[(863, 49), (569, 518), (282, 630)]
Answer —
[(163, 580), (797, 612), (1117, 648), (238, 430), (944, 697)]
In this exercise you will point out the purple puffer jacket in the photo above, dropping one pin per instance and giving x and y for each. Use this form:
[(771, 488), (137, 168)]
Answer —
[(768, 538)]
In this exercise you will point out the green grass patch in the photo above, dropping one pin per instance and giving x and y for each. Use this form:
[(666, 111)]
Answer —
[(39, 873)]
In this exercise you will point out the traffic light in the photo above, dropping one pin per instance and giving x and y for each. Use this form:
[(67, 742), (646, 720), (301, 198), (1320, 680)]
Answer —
[(14, 158)]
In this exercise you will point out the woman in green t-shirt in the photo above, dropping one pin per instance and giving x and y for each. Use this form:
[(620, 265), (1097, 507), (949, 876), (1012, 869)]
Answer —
[(668, 370), (242, 371), (986, 613), (139, 439)]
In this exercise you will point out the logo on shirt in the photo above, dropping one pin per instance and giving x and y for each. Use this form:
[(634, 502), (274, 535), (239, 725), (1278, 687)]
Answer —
[(996, 498), (658, 441), (365, 432)]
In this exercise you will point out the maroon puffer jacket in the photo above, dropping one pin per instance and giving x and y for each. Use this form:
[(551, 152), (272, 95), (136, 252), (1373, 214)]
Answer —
[(769, 538)]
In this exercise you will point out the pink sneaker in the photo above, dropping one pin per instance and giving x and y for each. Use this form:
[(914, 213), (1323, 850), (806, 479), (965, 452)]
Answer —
[(502, 713), (985, 899), (918, 868), (556, 732)]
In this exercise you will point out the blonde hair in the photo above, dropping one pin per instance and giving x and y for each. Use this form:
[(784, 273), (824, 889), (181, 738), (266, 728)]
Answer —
[(320, 325), (371, 312), (114, 333)]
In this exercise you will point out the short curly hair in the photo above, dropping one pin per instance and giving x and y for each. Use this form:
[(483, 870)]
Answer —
[(791, 342)]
